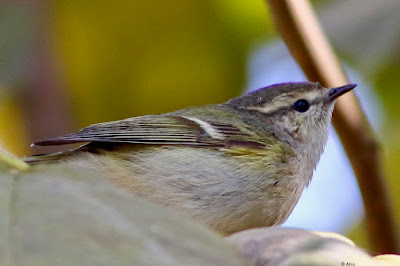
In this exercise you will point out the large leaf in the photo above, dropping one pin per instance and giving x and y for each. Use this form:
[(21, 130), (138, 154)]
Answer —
[(288, 246), (55, 216)]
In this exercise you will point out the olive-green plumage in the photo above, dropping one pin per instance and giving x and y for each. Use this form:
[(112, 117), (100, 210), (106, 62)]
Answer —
[(232, 166)]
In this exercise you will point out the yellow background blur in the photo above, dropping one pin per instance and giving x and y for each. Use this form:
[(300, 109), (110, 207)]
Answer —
[(68, 64)]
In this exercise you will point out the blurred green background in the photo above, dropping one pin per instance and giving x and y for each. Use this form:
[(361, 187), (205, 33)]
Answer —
[(67, 64)]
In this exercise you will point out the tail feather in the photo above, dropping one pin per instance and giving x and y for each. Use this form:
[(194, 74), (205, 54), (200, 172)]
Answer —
[(48, 158)]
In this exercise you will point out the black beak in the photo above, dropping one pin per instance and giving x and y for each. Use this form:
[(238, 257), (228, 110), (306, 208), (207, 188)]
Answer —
[(336, 92)]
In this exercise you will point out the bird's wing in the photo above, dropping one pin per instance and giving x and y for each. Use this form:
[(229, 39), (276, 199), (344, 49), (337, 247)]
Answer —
[(156, 129)]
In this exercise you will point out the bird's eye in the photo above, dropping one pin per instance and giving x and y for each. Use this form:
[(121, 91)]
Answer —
[(301, 106)]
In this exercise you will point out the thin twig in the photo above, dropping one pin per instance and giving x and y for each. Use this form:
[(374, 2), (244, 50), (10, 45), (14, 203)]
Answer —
[(12, 161), (299, 27)]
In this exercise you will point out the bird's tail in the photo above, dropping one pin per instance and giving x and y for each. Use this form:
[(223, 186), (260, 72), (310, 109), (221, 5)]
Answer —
[(48, 158)]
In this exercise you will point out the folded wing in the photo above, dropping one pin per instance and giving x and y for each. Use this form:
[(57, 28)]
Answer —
[(153, 129)]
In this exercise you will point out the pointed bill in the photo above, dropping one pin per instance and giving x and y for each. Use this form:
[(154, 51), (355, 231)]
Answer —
[(336, 92)]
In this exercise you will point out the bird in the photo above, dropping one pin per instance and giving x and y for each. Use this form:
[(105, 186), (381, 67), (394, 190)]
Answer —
[(231, 166)]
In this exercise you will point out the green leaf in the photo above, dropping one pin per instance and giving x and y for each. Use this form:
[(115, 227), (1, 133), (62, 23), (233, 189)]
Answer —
[(55, 216)]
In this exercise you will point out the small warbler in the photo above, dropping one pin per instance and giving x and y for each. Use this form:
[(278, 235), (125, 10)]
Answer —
[(233, 166)]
